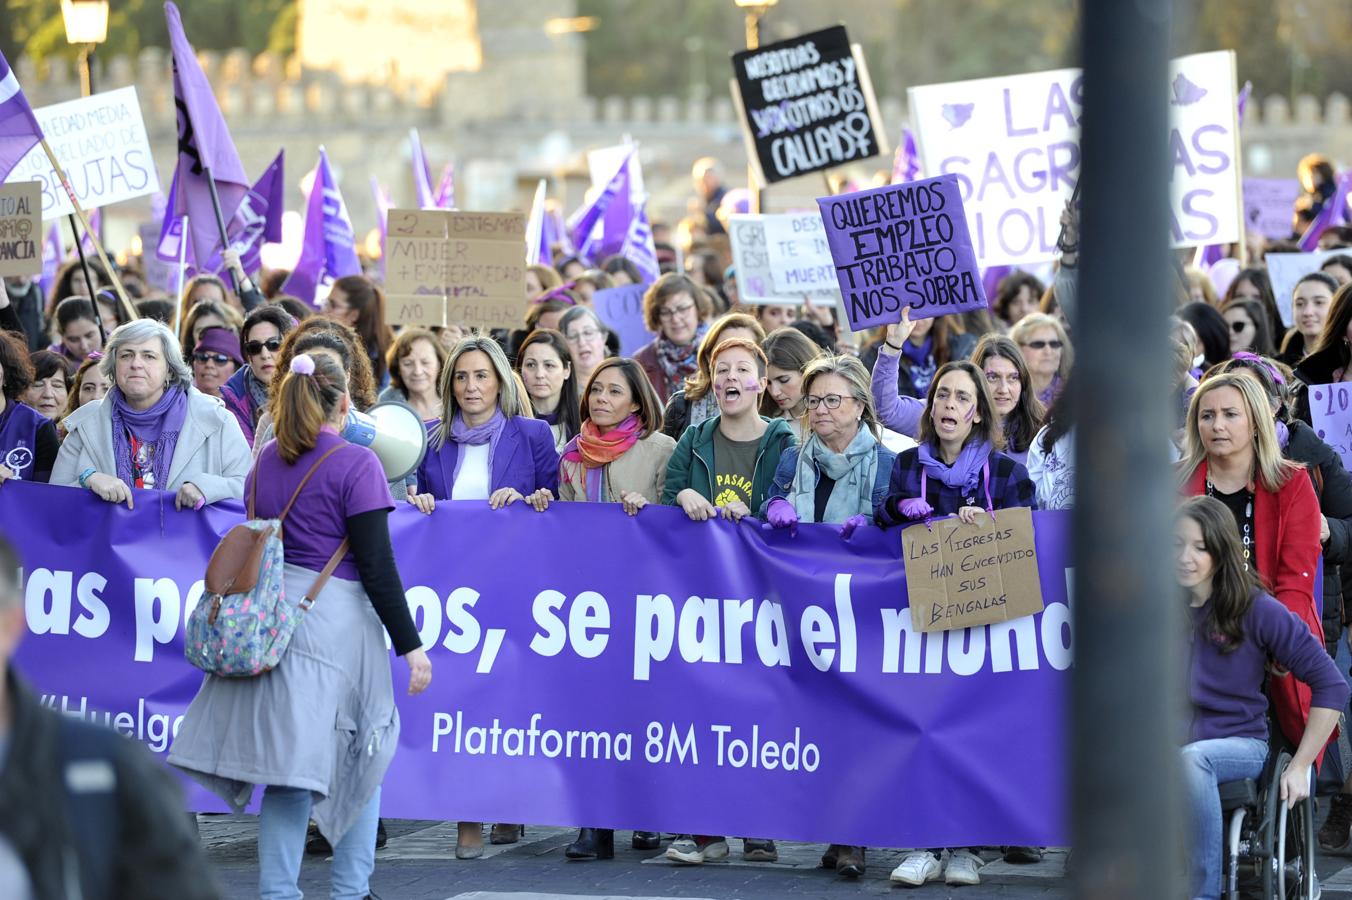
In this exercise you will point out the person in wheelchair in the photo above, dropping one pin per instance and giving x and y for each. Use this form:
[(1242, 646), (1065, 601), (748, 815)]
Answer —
[(1237, 627)]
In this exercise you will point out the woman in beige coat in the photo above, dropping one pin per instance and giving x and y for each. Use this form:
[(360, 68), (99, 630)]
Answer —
[(620, 455)]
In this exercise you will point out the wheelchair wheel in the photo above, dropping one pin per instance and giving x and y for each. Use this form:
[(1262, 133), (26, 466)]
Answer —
[(1294, 834), (1271, 834)]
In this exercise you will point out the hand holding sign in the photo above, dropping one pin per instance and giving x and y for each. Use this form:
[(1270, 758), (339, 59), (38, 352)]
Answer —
[(902, 245)]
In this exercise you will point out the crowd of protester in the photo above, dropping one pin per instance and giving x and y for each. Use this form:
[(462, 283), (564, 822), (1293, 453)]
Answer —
[(776, 412)]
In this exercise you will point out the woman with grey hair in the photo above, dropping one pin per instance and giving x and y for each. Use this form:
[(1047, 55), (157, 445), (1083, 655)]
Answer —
[(153, 429), (586, 337)]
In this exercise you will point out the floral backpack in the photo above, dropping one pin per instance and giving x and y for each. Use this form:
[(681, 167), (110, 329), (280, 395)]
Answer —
[(243, 623)]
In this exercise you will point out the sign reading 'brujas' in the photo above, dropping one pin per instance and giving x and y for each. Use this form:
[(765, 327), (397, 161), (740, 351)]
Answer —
[(808, 103)]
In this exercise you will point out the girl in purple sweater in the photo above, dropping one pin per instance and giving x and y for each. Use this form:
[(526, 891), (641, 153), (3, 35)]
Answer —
[(1236, 627)]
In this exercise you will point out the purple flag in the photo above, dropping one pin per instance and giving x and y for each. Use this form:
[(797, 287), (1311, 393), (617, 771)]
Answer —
[(53, 251), (1333, 213), (1243, 102), (205, 149), (383, 206), (639, 248), (445, 198), (536, 249), (906, 161), (89, 237), (19, 129), (329, 248), (257, 220), (422, 176), (620, 216), (582, 226)]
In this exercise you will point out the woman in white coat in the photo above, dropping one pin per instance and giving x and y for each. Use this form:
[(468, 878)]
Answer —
[(153, 429)]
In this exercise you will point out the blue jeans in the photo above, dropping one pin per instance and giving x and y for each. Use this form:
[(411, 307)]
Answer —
[(281, 844), (1207, 764)]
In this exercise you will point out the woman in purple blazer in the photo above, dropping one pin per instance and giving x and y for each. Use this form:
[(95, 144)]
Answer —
[(487, 447)]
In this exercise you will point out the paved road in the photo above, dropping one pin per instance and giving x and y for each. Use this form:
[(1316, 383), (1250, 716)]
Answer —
[(418, 864)]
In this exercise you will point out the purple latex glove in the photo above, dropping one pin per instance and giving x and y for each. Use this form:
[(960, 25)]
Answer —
[(781, 514), (915, 508), (849, 525)]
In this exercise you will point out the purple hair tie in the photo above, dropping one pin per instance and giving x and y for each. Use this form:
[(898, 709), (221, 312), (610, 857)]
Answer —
[(1272, 370), (558, 294)]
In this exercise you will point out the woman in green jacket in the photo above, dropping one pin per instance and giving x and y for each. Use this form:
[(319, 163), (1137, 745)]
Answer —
[(725, 467)]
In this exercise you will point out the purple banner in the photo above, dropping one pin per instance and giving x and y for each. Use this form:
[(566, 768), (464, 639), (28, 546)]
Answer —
[(693, 677), (902, 245)]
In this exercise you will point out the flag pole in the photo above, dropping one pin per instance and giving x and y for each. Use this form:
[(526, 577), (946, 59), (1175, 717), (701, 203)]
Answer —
[(84, 220), (89, 279), (220, 223), (182, 268)]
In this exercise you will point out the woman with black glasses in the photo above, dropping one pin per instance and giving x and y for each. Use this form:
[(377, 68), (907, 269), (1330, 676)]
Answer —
[(246, 393), (1047, 350)]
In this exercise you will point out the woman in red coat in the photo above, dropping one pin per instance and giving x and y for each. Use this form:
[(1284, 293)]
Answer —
[(1233, 455)]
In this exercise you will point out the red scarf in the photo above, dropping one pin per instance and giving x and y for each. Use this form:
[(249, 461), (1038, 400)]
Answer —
[(594, 449)]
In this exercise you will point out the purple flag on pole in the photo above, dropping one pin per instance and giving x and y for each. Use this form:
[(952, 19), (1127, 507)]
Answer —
[(582, 224), (87, 239), (1333, 213), (445, 198), (620, 216), (257, 220), (329, 249), (383, 206), (422, 176), (204, 147), (19, 129), (906, 161), (536, 249), (1243, 102), (639, 248)]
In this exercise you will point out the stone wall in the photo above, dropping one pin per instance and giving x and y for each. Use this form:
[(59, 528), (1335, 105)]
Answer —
[(526, 116)]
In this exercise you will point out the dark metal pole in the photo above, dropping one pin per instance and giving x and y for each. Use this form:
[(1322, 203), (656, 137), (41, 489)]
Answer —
[(89, 280), (220, 223), (1127, 695)]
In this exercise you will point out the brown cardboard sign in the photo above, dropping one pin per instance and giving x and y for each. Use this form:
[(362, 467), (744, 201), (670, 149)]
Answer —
[(960, 575), (464, 267), (21, 228)]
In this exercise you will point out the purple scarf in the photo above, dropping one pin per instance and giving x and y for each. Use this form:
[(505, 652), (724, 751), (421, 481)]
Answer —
[(487, 433), (159, 426), (965, 473)]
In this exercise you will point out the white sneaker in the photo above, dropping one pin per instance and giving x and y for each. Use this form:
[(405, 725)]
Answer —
[(687, 850), (917, 868), (962, 868)]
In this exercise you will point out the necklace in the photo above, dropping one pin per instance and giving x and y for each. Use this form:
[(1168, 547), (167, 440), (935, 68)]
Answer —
[(1246, 527)]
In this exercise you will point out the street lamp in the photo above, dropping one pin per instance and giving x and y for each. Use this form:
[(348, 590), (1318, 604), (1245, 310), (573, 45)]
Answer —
[(755, 9), (86, 26)]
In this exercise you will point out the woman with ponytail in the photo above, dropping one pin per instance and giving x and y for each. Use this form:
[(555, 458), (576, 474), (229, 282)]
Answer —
[(319, 731)]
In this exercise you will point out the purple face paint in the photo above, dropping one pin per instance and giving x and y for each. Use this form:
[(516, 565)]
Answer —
[(751, 386), (971, 412)]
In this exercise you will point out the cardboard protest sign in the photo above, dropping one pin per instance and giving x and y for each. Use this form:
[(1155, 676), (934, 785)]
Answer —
[(800, 258), (1285, 269), (1014, 143), (751, 262), (807, 105), (902, 245), (621, 308), (960, 575), (1331, 416), (21, 228), (467, 267), (1268, 203), (101, 143)]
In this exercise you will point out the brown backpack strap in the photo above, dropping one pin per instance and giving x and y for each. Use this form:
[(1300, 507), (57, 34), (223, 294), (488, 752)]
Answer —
[(332, 450), (309, 599)]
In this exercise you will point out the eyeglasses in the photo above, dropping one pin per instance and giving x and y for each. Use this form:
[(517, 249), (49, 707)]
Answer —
[(219, 359), (830, 401), (672, 312), (1043, 345), (1238, 327), (272, 345), (586, 334)]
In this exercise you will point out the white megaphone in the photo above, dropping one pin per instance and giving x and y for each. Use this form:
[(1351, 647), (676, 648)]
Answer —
[(394, 431)]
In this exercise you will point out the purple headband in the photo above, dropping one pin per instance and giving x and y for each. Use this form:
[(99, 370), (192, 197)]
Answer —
[(1266, 364), (559, 294)]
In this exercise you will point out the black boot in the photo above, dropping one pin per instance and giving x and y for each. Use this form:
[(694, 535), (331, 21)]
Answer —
[(592, 843), (647, 840), (381, 837)]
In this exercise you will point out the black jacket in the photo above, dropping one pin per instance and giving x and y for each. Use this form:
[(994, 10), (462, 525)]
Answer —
[(127, 828), (1333, 486)]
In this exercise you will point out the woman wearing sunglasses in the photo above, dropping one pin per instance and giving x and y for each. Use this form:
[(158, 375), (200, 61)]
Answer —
[(1249, 331), (246, 393), (214, 360), (1047, 351)]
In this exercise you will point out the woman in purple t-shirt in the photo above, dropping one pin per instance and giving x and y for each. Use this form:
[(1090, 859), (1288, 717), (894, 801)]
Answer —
[(1236, 628), (319, 730)]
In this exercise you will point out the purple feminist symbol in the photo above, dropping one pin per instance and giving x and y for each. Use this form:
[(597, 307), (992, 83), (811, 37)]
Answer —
[(1185, 92), (957, 114)]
